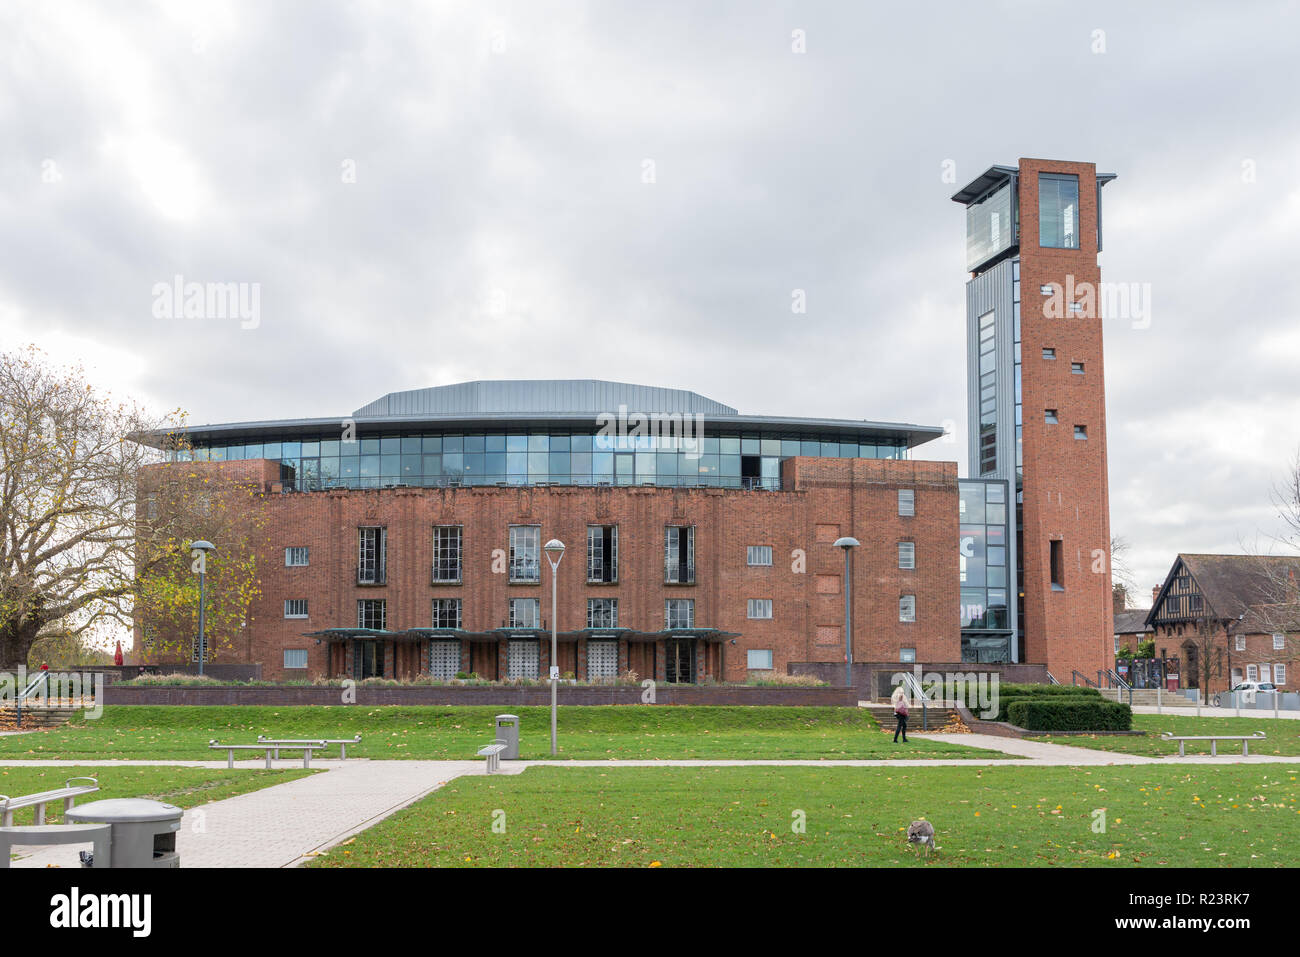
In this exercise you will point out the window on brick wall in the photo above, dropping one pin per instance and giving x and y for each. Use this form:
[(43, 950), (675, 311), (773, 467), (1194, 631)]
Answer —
[(372, 613), (1049, 416), (907, 555), (525, 553), (602, 553), (1049, 353), (525, 613), (602, 612), (1279, 674), (759, 608), (1241, 642), (1057, 563), (1081, 432), (1279, 642), (758, 555), (1252, 672), (447, 548), (758, 659), (907, 608), (1076, 368), (372, 555), (679, 613), (679, 554), (295, 608), (446, 613), (296, 556), (295, 658), (906, 502)]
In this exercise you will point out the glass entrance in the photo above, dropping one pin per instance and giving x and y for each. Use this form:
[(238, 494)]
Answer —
[(367, 660), (679, 655)]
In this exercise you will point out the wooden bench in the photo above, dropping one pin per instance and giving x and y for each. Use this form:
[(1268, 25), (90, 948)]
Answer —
[(95, 834), (1214, 740), (279, 743), (68, 794), (493, 754), (306, 747)]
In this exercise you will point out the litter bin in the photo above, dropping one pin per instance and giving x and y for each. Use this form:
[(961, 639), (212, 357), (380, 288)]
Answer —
[(507, 730), (142, 832)]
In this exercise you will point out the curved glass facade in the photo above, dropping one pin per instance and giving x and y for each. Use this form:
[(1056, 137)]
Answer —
[(735, 460)]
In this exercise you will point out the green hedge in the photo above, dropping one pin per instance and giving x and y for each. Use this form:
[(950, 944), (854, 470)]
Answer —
[(1048, 690), (1064, 715), (1006, 699)]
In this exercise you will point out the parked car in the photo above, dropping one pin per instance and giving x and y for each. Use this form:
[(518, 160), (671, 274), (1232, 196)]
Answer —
[(1247, 690)]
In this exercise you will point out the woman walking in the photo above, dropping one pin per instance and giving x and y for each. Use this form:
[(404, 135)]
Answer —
[(899, 700)]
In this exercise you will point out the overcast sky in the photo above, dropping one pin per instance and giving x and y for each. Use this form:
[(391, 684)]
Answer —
[(431, 192)]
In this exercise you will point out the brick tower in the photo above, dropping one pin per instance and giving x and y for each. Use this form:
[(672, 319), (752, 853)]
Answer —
[(1036, 400)]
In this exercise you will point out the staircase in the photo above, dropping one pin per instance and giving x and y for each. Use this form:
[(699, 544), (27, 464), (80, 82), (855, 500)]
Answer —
[(1147, 697), (937, 715), (47, 715)]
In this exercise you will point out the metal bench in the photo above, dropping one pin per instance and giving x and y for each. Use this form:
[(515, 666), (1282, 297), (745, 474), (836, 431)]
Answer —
[(493, 754), (68, 794), (279, 743), (1214, 740), (95, 834), (306, 747)]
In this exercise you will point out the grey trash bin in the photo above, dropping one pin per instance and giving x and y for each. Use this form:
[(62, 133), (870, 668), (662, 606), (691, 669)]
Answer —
[(507, 730), (143, 832)]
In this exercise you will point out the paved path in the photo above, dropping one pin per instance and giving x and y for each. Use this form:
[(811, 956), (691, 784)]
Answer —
[(1208, 711), (281, 825)]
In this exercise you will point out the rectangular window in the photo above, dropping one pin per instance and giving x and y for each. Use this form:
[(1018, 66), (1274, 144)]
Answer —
[(525, 553), (446, 613), (525, 613), (447, 550), (758, 555), (444, 659), (907, 608), (1279, 642), (522, 658), (1049, 353), (679, 554), (295, 608), (294, 557), (1076, 368), (602, 659), (295, 658), (372, 613), (1058, 211), (1252, 673), (757, 659), (759, 608), (907, 555), (372, 556), (1241, 642), (602, 553), (679, 613), (1264, 673), (1081, 432), (1057, 558), (907, 655), (1049, 416), (1279, 674), (906, 502), (602, 612), (988, 427)]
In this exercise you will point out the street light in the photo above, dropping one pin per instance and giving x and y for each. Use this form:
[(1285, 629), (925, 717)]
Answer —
[(554, 552), (199, 552), (848, 543)]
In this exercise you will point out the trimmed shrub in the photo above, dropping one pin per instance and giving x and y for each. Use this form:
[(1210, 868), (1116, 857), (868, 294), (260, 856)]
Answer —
[(1048, 690), (1005, 700), (1067, 715)]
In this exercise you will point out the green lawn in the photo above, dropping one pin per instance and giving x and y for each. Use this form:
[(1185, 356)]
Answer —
[(649, 731), (1283, 736), (1231, 816), (184, 787)]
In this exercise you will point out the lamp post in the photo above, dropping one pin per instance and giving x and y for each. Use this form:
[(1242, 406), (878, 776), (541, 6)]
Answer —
[(554, 552), (848, 543), (199, 552)]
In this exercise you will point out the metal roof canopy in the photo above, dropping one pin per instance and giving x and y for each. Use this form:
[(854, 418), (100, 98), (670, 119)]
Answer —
[(985, 183), (496, 634)]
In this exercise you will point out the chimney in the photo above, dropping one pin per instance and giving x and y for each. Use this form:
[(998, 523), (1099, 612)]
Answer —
[(1155, 593), (1119, 598)]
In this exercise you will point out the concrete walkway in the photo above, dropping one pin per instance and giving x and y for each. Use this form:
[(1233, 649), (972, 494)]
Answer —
[(282, 825)]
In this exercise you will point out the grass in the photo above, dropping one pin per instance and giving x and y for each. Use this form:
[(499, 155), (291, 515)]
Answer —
[(634, 731), (183, 787), (1283, 736), (1155, 816)]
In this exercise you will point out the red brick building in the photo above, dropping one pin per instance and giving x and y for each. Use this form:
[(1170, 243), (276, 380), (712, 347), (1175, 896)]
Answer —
[(407, 538)]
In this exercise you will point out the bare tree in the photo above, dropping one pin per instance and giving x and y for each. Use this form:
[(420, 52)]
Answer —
[(72, 555), (1121, 575)]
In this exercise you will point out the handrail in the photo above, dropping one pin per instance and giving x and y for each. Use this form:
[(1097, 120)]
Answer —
[(918, 692), (1075, 674), (42, 677), (1121, 686), (1051, 678)]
